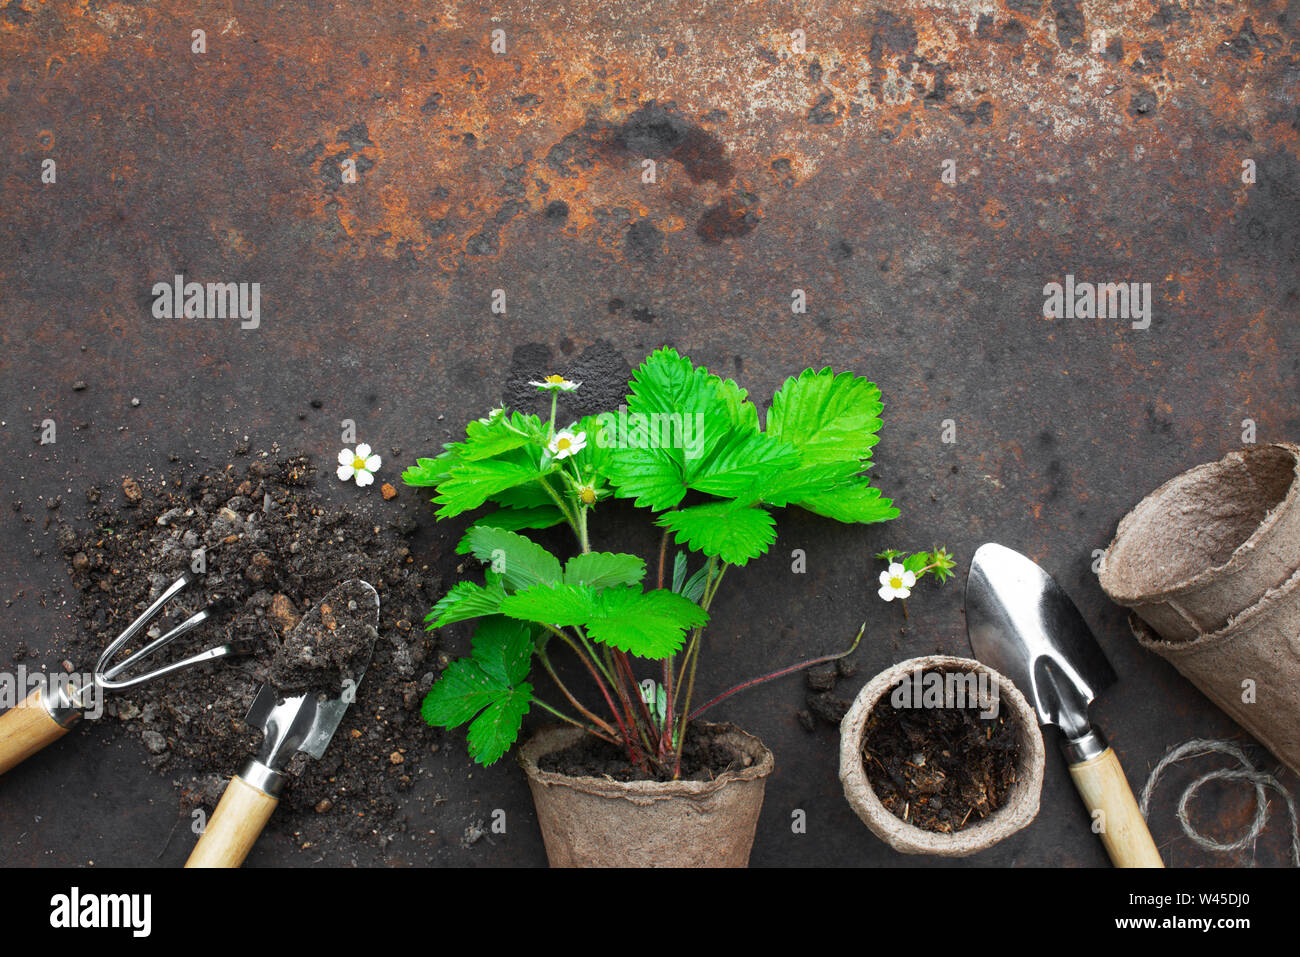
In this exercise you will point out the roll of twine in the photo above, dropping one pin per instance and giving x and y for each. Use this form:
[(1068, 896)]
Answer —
[(1198, 747)]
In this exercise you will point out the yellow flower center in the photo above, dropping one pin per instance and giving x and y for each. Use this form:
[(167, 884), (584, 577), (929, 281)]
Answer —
[(358, 463), (562, 444), (555, 379), (895, 582)]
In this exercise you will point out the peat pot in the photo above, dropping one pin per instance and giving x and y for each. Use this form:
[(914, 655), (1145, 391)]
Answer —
[(1208, 544), (1209, 563), (1022, 803), (599, 822)]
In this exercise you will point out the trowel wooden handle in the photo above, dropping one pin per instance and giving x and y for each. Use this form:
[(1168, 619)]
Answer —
[(26, 729), (231, 833), (1109, 799)]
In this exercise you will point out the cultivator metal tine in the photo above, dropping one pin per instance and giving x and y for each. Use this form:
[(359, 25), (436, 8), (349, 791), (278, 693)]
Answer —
[(106, 675)]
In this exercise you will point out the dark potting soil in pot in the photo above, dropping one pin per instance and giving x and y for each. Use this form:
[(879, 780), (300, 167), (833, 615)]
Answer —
[(940, 769), (272, 550), (704, 757)]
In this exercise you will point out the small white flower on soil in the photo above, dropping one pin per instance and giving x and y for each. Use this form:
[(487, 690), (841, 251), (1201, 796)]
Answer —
[(896, 582), (360, 465), (555, 383), (567, 443)]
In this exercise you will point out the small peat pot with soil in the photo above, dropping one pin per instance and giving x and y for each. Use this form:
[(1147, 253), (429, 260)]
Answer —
[(1209, 563), (941, 755), (634, 778)]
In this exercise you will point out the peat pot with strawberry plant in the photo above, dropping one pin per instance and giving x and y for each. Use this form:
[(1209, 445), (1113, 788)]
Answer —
[(631, 776)]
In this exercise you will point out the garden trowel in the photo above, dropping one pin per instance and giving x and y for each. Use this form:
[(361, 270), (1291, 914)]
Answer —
[(1023, 624), (304, 722)]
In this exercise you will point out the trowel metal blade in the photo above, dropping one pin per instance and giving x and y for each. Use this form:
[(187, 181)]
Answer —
[(1022, 623), (307, 722)]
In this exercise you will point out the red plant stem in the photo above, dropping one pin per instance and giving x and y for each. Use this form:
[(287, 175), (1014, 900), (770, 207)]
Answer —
[(626, 665), (589, 728), (666, 737), (663, 557), (623, 667), (629, 740), (754, 682), (603, 725), (686, 718)]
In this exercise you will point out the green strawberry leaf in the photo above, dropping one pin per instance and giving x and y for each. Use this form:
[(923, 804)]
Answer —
[(469, 484), (593, 461), (693, 590), (744, 414), (914, 563), (723, 530), (676, 416), (503, 647), (654, 479), (494, 731), (501, 433), (528, 495), (428, 472), (828, 417), (550, 604), (791, 485), (851, 503), (488, 688), (467, 600), (541, 516), (739, 461), (679, 572), (520, 561), (460, 693), (648, 624), (600, 569)]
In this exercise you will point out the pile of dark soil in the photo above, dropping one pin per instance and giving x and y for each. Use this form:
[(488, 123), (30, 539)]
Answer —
[(271, 551), (704, 758), (940, 769)]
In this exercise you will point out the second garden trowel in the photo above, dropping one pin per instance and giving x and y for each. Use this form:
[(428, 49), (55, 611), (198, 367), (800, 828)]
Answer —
[(1023, 624), (303, 722)]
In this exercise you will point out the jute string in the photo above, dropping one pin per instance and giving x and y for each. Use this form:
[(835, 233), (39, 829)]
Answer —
[(1262, 782)]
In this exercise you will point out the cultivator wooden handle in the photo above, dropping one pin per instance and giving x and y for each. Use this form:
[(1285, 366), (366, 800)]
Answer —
[(26, 729), (1101, 783), (239, 818)]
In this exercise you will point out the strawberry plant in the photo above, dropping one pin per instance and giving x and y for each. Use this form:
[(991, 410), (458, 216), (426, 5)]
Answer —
[(687, 447)]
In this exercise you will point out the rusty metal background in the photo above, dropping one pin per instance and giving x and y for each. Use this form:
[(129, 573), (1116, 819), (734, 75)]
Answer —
[(1103, 140)]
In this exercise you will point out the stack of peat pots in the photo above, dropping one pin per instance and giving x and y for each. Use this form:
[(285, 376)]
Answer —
[(1209, 564)]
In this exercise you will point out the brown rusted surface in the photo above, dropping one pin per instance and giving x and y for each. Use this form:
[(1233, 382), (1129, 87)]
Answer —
[(1104, 140)]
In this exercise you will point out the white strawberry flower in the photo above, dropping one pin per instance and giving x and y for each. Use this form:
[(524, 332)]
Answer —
[(360, 465), (555, 383), (567, 443), (896, 582)]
